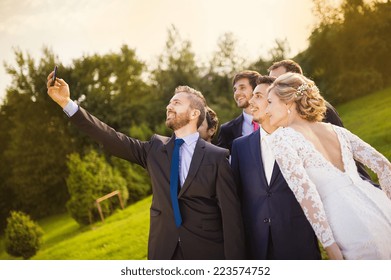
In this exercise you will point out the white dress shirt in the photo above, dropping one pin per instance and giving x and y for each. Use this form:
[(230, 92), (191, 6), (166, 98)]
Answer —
[(247, 126), (267, 155)]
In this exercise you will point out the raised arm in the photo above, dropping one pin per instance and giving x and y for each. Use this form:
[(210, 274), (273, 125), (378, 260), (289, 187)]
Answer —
[(116, 143), (366, 154)]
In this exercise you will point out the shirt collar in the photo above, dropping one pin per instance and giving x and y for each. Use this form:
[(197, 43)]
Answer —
[(191, 138), (247, 118), (263, 132)]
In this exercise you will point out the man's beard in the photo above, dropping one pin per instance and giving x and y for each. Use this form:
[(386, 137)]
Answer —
[(244, 105), (178, 121)]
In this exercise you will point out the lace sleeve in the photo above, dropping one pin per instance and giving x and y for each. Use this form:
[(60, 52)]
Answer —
[(366, 154), (303, 188)]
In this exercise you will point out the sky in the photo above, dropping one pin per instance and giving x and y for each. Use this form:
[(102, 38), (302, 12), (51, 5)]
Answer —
[(74, 28)]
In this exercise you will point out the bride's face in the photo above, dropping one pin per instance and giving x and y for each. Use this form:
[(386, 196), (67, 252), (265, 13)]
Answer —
[(277, 110)]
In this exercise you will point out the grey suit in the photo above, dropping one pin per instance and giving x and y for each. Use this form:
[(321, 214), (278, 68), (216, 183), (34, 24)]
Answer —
[(212, 225)]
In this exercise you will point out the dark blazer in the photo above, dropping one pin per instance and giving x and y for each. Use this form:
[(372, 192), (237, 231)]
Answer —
[(271, 213), (332, 116), (230, 131), (212, 226)]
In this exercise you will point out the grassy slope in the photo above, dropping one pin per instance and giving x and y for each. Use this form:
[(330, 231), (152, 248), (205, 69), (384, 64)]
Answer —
[(124, 235), (369, 118)]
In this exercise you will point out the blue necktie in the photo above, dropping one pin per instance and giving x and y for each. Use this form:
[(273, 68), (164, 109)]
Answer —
[(174, 176)]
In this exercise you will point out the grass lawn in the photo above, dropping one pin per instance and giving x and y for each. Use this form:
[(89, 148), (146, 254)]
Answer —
[(123, 236), (369, 118)]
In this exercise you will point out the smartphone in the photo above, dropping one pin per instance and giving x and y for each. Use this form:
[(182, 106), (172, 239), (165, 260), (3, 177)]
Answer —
[(54, 76)]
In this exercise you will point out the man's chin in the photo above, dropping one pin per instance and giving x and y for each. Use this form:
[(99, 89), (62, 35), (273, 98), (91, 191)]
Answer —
[(243, 105)]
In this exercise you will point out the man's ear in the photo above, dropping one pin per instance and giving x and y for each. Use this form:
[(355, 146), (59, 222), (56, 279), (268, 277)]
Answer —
[(211, 131), (195, 113)]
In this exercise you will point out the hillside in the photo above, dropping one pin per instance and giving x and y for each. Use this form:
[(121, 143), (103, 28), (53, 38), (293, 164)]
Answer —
[(369, 117), (122, 236)]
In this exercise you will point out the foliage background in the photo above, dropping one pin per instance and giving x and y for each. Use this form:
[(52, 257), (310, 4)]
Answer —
[(348, 56)]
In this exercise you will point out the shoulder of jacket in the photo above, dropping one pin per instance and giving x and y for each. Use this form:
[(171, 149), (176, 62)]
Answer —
[(232, 122), (160, 138)]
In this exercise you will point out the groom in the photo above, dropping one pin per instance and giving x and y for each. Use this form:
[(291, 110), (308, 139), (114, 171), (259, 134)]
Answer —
[(275, 224)]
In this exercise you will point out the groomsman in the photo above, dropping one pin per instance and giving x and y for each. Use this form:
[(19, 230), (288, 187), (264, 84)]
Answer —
[(275, 224), (195, 211), (243, 86)]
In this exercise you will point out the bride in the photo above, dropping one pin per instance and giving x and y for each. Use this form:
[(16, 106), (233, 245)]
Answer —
[(350, 217)]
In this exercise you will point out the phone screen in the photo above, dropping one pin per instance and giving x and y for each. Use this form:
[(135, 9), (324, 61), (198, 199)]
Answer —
[(54, 75)]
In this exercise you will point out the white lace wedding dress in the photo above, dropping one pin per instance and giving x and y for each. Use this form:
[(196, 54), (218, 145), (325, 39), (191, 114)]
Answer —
[(340, 206)]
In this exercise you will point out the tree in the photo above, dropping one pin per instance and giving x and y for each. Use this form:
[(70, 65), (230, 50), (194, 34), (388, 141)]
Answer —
[(35, 128), (22, 236), (176, 66), (348, 56), (89, 178), (111, 86), (216, 83)]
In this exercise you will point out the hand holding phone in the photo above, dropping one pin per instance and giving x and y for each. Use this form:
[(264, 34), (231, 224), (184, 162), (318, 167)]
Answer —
[(54, 76)]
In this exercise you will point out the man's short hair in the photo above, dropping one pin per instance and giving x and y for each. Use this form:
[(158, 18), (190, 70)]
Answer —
[(247, 74), (265, 80), (197, 101), (288, 64)]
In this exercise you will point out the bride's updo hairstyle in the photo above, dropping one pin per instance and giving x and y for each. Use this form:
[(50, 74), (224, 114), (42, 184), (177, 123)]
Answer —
[(293, 87)]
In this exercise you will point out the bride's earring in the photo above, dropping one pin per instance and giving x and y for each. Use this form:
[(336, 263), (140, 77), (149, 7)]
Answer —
[(289, 111)]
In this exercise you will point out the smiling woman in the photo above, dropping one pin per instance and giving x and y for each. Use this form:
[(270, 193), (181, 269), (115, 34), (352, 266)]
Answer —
[(317, 161)]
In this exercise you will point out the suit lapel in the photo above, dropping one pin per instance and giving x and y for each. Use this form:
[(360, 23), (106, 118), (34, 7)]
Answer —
[(238, 124), (276, 173), (199, 152), (168, 148), (255, 148)]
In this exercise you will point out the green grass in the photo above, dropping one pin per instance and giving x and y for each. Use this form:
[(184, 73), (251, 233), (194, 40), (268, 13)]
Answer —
[(369, 118), (124, 235)]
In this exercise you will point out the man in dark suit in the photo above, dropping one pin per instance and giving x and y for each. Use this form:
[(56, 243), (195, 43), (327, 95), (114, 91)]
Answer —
[(243, 86), (275, 224), (203, 219), (287, 65)]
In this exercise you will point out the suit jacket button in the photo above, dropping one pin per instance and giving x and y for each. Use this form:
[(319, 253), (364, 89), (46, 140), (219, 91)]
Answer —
[(269, 194)]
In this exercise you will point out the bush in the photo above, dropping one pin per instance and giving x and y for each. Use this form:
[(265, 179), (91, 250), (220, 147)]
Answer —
[(137, 179), (353, 84), (22, 236), (89, 178)]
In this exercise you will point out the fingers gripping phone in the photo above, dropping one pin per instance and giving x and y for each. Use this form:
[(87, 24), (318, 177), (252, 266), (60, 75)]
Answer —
[(54, 76)]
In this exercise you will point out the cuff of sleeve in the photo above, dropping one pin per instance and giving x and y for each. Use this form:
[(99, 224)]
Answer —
[(71, 108)]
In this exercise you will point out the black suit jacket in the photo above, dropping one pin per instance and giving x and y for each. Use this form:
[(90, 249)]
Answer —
[(271, 213), (230, 131), (212, 225)]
